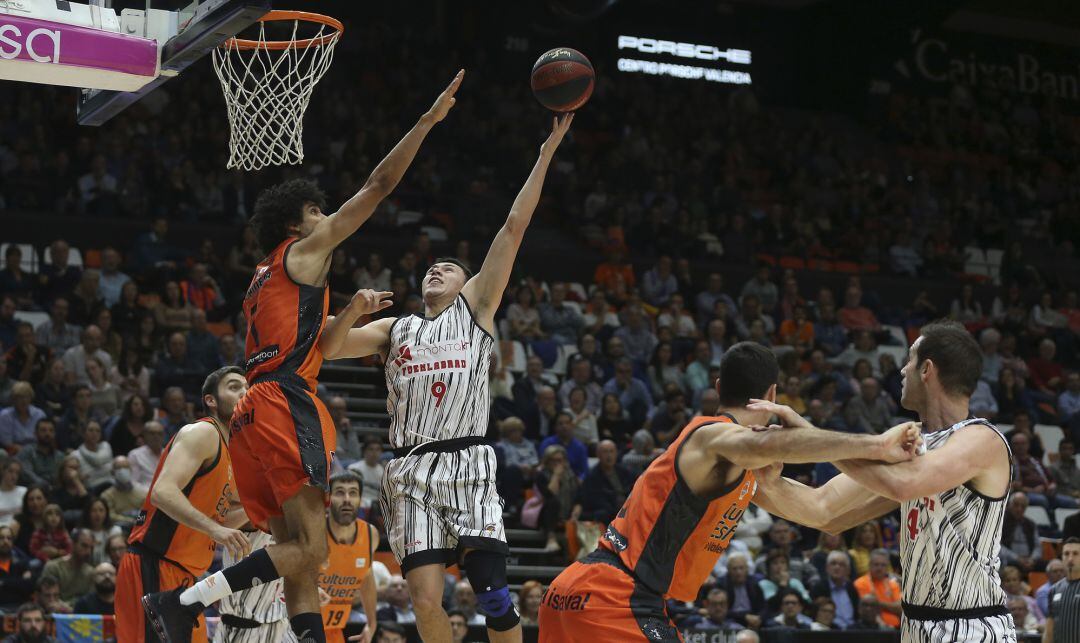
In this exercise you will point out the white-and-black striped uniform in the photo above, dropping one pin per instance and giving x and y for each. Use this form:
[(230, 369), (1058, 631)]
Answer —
[(263, 604), (949, 549), (1065, 610), (437, 378)]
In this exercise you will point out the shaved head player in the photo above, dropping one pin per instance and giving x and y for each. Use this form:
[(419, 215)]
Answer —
[(283, 436), (683, 510), (439, 495)]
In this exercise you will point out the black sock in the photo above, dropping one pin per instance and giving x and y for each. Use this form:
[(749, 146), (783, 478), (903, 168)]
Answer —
[(308, 627), (256, 569)]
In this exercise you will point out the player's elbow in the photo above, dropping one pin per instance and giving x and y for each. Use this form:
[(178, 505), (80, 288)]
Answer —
[(379, 184)]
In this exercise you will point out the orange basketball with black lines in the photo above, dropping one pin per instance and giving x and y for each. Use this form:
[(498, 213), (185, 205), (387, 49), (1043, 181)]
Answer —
[(563, 79)]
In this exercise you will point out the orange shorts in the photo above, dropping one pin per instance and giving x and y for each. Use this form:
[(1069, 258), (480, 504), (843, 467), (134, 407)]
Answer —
[(597, 599), (282, 439), (139, 575), (335, 636)]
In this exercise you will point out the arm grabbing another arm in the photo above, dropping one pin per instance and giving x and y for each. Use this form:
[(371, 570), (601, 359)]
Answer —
[(838, 505)]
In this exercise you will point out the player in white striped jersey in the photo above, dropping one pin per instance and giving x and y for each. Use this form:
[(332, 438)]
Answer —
[(439, 498), (952, 498), (258, 614)]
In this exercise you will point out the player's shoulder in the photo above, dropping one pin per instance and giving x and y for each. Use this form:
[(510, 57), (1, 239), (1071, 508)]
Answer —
[(200, 436)]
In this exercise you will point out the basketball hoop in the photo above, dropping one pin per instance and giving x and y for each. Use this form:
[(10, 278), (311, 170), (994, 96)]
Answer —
[(268, 83)]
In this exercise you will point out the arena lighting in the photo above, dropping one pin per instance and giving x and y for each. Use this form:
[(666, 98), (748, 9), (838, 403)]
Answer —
[(680, 69)]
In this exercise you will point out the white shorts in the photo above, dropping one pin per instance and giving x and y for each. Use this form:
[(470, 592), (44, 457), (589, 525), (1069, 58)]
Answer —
[(989, 629), (439, 503), (279, 631)]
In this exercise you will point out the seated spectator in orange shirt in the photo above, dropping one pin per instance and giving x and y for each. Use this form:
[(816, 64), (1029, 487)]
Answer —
[(883, 585), (797, 331), (855, 316), (615, 265), (201, 291)]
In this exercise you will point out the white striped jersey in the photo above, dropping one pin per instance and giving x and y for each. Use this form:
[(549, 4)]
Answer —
[(950, 542), (437, 377), (262, 603)]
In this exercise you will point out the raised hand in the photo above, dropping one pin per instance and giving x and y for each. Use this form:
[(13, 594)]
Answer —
[(787, 415), (902, 442), (446, 99), (559, 126), (768, 473), (367, 301)]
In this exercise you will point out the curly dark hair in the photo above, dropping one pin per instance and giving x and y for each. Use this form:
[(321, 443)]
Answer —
[(282, 205)]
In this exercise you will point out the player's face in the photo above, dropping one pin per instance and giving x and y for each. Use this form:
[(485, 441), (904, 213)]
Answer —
[(441, 279), (912, 390), (312, 216), (1070, 555), (344, 502), (231, 388)]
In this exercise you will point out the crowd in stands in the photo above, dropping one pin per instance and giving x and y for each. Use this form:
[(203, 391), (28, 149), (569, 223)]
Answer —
[(615, 363)]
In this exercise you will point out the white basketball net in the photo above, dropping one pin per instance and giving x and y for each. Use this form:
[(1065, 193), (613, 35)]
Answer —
[(266, 94)]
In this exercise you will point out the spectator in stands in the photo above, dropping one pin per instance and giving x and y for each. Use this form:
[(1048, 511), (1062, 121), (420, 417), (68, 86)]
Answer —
[(1068, 403), (839, 589), (178, 368), (880, 583), (48, 594), (18, 421), (716, 333), (130, 374), (74, 571), (605, 488), (716, 613), (870, 614), (581, 376), (8, 323), (97, 519), (16, 579), (127, 313), (459, 625), (585, 428), (152, 249), (202, 345), (749, 313), (111, 341), (70, 491), (1015, 587), (144, 459), (670, 417), (398, 608), (111, 280), (126, 430), (990, 341), (41, 462), (982, 402), (614, 423), (867, 540), (664, 370), (75, 358), (529, 597), (523, 316), (27, 361), (558, 486), (659, 283), (966, 309), (56, 334), (229, 353), (864, 347), (202, 291), (373, 274), (348, 442), (641, 454), (85, 299), (633, 394), (1032, 478), (99, 601), (31, 517), (1012, 397), (678, 319), (636, 336), (1019, 538), (16, 282), (826, 544), (117, 547), (1065, 472), (1055, 571), (576, 452), (705, 301), (11, 493), (173, 312), (616, 266), (31, 620), (104, 397), (51, 539), (746, 598), (697, 373), (464, 600), (904, 257), (124, 498), (868, 411), (791, 395), (782, 538), (95, 458), (1047, 375), (829, 334), (560, 322), (371, 469), (518, 451), (600, 316), (526, 391), (761, 287), (778, 579), (791, 615), (1027, 624), (797, 331), (855, 316)]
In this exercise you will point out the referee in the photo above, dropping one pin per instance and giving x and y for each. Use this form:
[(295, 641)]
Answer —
[(1063, 621)]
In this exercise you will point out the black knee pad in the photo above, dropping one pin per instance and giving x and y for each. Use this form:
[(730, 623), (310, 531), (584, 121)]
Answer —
[(486, 571)]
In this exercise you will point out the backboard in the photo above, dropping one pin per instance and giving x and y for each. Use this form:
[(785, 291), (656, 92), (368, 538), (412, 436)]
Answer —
[(113, 57)]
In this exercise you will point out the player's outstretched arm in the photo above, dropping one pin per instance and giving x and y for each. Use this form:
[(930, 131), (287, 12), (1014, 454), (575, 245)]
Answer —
[(193, 446), (756, 448), (484, 291), (335, 335), (836, 506), (966, 455), (383, 179)]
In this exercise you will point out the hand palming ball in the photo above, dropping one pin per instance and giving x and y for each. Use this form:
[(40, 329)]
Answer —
[(563, 79)]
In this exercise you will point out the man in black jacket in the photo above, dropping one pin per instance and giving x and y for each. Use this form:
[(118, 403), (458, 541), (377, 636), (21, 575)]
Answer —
[(745, 599), (837, 587), (16, 584), (100, 601), (606, 486)]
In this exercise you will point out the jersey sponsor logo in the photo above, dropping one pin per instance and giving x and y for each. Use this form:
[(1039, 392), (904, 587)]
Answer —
[(725, 528), (262, 275), (617, 540), (240, 421), (565, 602), (429, 358), (268, 353)]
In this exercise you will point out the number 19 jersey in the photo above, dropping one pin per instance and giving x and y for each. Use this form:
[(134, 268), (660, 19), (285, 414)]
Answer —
[(437, 377)]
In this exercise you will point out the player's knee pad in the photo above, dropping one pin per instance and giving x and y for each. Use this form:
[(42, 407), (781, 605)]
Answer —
[(486, 571)]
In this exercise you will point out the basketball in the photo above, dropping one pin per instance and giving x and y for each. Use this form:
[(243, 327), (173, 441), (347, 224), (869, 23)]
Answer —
[(563, 79)]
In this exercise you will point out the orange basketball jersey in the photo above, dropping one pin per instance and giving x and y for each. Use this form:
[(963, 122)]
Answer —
[(343, 573), (285, 320), (669, 537), (208, 491)]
